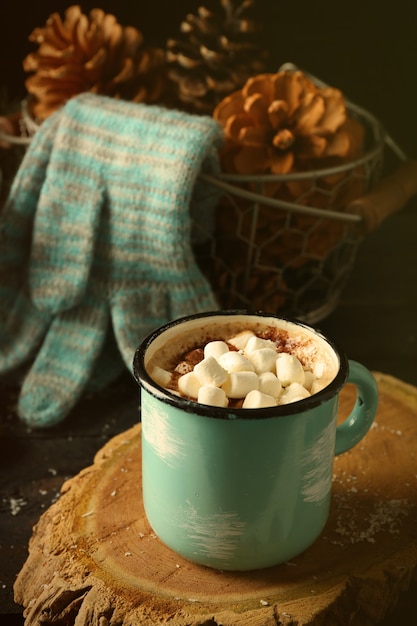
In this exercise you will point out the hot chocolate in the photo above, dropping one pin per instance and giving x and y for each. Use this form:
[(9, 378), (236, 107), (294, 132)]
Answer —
[(251, 362)]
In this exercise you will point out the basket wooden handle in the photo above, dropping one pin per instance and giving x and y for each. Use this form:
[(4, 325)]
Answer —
[(388, 196)]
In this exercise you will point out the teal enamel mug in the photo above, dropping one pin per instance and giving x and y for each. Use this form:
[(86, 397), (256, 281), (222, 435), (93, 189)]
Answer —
[(238, 488)]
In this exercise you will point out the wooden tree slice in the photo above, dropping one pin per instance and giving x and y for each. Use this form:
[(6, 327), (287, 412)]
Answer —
[(94, 560)]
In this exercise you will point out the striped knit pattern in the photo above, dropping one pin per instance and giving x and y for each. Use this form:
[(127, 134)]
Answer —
[(22, 326), (111, 237), (125, 174), (63, 365)]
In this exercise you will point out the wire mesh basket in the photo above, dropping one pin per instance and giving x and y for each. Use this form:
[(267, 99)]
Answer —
[(292, 257)]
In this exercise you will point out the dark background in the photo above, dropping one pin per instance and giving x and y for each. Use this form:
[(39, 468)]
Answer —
[(366, 48)]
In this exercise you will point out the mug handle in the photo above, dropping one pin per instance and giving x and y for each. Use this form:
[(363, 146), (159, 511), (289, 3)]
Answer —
[(360, 419)]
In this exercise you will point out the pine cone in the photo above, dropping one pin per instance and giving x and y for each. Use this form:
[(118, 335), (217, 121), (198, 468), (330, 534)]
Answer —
[(215, 56), (283, 122), (91, 53)]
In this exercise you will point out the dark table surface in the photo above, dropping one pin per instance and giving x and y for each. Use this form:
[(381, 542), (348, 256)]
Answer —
[(375, 322)]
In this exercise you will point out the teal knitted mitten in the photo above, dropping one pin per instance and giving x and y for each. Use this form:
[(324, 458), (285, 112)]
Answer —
[(22, 325), (111, 239)]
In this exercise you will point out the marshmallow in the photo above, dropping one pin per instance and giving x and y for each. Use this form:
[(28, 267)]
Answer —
[(289, 369), (309, 379), (214, 396), (240, 340), (258, 400), (269, 384), (256, 343), (215, 349), (189, 385), (319, 369), (293, 393), (210, 372), (317, 386), (235, 362), (161, 376), (239, 384), (263, 360)]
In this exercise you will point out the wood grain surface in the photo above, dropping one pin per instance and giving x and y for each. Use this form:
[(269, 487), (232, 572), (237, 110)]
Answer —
[(93, 556)]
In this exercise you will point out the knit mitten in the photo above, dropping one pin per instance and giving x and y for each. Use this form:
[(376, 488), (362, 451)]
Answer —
[(22, 325), (118, 186)]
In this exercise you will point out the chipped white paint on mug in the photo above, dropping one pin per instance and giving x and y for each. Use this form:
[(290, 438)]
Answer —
[(215, 535), (160, 435), (316, 464)]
